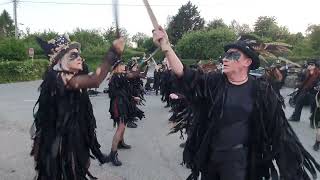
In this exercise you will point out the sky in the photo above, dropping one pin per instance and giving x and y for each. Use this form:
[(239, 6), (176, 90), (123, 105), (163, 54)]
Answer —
[(39, 15)]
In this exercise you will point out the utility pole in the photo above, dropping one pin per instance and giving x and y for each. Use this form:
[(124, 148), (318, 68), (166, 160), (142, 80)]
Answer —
[(15, 18)]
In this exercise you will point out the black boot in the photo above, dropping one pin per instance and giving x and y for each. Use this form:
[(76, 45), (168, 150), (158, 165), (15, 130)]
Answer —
[(182, 145), (135, 119), (131, 124), (113, 157), (316, 146), (123, 145), (311, 122), (102, 158), (294, 119)]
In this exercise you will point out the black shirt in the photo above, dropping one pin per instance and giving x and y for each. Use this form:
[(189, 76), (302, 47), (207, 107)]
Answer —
[(234, 125)]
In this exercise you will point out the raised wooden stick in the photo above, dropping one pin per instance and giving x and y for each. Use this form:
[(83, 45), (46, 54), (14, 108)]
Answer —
[(151, 15), (152, 18)]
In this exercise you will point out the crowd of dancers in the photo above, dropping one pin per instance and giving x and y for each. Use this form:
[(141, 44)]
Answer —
[(234, 122)]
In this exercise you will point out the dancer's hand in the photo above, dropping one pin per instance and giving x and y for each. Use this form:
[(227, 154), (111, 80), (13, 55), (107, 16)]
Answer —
[(160, 39), (119, 44), (173, 96), (136, 98)]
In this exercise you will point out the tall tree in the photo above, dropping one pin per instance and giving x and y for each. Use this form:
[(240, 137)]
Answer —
[(216, 23), (266, 27), (110, 34), (86, 37), (240, 29), (139, 38), (149, 46), (188, 19), (204, 44), (6, 25), (314, 36), (295, 39)]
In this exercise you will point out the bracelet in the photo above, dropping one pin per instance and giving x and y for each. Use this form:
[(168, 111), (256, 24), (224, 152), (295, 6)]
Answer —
[(111, 56)]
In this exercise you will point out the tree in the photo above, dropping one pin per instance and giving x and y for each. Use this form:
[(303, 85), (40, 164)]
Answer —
[(295, 39), (110, 34), (30, 41), (139, 38), (6, 25), (314, 36), (91, 41), (149, 46), (205, 44), (303, 49), (282, 34), (266, 27), (216, 23), (188, 19), (240, 29)]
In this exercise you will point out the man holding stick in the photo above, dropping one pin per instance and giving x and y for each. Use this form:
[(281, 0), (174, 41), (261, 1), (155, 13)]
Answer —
[(245, 128)]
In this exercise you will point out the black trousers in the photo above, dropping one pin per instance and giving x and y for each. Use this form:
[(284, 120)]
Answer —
[(227, 165), (304, 98)]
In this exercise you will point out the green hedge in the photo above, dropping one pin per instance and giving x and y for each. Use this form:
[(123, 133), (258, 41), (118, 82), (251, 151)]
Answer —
[(94, 60), (14, 71), (204, 44), (12, 49)]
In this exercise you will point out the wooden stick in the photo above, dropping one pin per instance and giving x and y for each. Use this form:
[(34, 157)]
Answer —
[(151, 15), (116, 17), (152, 54), (153, 19)]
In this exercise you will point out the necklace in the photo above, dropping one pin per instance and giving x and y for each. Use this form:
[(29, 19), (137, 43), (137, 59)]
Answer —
[(239, 82)]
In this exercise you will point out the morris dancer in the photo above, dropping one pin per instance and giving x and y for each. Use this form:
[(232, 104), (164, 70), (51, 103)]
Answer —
[(242, 127), (64, 126)]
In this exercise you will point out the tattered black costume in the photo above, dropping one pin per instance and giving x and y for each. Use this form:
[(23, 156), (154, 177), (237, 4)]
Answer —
[(167, 85), (156, 81), (122, 104), (317, 110), (64, 131), (136, 87), (270, 138)]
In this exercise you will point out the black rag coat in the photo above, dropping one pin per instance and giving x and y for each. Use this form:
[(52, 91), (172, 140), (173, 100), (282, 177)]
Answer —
[(272, 141), (63, 132)]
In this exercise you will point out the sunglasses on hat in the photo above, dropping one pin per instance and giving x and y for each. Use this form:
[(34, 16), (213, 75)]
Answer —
[(232, 56)]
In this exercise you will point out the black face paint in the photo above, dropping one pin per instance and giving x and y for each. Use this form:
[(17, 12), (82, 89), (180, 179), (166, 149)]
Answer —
[(232, 56), (73, 56)]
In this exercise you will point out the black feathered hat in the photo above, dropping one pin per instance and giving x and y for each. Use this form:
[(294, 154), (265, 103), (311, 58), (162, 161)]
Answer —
[(316, 62), (247, 48)]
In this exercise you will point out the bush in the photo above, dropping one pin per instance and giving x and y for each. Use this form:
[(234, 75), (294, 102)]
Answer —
[(13, 71), (204, 44), (12, 49), (93, 60), (129, 53)]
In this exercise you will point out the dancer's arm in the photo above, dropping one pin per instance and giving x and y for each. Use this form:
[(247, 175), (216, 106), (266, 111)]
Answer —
[(160, 38), (95, 79)]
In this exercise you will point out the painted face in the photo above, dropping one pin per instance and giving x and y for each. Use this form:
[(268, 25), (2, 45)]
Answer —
[(311, 66), (121, 68), (234, 60), (72, 61), (135, 68)]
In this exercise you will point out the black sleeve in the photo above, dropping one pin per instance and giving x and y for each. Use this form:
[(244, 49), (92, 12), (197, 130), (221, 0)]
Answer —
[(196, 85)]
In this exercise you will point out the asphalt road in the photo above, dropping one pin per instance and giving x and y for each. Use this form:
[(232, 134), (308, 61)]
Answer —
[(154, 155)]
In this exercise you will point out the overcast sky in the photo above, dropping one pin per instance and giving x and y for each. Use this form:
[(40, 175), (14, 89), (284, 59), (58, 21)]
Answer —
[(38, 15)]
